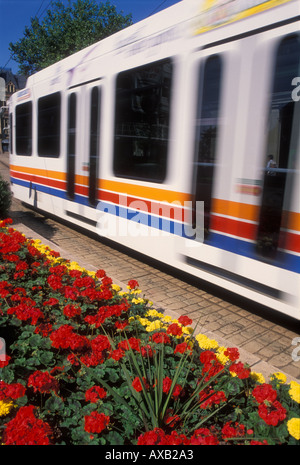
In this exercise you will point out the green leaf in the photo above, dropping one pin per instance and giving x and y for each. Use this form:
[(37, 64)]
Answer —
[(114, 438), (54, 404)]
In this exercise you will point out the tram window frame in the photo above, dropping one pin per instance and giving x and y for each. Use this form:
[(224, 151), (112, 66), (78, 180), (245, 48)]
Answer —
[(49, 130), (142, 153), (11, 133), (23, 117), (208, 108), (278, 179), (94, 141), (71, 144)]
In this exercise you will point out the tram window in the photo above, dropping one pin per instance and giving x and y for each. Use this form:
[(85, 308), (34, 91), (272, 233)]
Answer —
[(207, 125), (24, 129), (71, 145), (143, 97), (94, 145), (282, 145), (49, 108)]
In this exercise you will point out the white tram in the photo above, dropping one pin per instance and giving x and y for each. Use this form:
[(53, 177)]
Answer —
[(159, 137)]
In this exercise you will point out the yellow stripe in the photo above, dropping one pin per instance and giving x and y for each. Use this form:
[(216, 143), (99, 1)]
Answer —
[(46, 173), (291, 220), (151, 193), (239, 210)]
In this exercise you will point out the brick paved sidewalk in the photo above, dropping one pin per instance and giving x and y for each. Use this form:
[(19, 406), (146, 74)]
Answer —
[(263, 342)]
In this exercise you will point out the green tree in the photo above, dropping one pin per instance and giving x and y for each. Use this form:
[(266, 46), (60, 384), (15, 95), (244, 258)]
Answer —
[(65, 30)]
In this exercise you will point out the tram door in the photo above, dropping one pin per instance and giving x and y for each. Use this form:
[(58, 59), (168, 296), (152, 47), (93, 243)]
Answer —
[(83, 139), (207, 127), (72, 123), (281, 150)]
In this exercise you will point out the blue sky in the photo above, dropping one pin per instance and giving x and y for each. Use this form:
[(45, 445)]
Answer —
[(16, 14)]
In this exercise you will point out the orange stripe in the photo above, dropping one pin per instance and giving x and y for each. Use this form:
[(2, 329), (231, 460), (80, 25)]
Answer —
[(291, 220), (46, 173), (151, 193), (239, 210)]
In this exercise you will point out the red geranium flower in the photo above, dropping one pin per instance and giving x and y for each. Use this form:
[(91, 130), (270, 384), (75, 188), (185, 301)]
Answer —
[(100, 273), (133, 284), (203, 436), (43, 382), (11, 391), (181, 348), (272, 414), (137, 385), (121, 324), (160, 338), (94, 393), (232, 353), (240, 370), (264, 392), (174, 330), (26, 429), (70, 311), (185, 320), (95, 422), (229, 431), (117, 354)]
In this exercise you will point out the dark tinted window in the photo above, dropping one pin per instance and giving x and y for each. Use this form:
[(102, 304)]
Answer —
[(24, 129), (143, 98), (207, 125), (49, 109), (71, 145), (94, 145)]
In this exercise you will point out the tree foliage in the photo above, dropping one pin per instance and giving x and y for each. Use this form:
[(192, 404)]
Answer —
[(65, 30)]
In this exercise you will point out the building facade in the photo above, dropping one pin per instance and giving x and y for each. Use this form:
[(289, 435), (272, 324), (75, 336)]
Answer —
[(9, 83)]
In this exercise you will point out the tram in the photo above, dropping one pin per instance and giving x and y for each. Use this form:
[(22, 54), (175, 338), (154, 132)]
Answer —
[(177, 137)]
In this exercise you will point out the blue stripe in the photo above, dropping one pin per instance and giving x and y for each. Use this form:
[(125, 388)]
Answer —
[(162, 224), (283, 260)]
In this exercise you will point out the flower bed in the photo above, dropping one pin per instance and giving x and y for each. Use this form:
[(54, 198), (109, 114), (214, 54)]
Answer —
[(83, 362)]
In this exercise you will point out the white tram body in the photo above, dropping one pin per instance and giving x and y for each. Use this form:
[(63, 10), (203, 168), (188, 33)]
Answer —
[(158, 138)]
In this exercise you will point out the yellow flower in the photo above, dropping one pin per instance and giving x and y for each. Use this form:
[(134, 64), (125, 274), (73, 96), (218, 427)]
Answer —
[(138, 301), (154, 313), (115, 287), (293, 426), (5, 407), (257, 377), (278, 376), (143, 321), (294, 391), (187, 330), (206, 343), (220, 355), (157, 324)]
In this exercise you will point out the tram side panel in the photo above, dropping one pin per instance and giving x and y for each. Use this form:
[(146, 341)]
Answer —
[(53, 165)]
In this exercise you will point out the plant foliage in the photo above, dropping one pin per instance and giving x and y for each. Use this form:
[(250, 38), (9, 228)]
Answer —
[(83, 362)]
